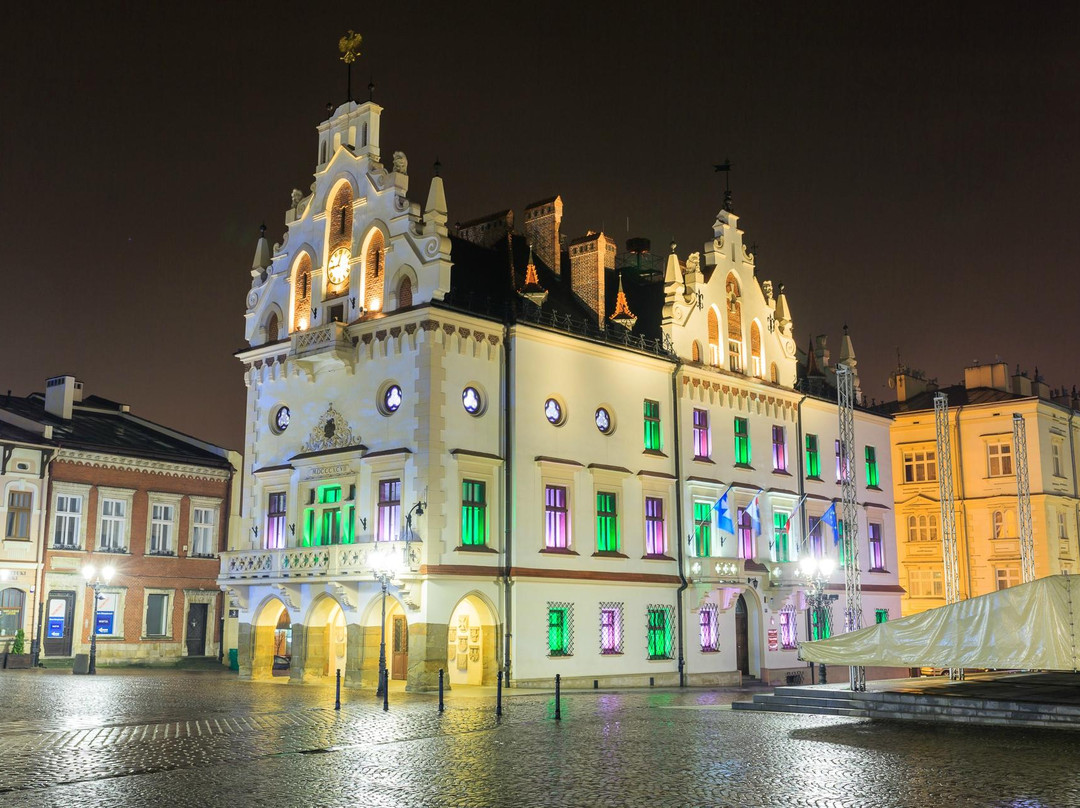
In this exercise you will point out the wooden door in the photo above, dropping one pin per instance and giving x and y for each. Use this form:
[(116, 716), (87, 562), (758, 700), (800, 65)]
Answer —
[(399, 662), (196, 629), (59, 619), (742, 652)]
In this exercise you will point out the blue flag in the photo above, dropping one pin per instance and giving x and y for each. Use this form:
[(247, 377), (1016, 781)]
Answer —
[(829, 518), (723, 513), (755, 515)]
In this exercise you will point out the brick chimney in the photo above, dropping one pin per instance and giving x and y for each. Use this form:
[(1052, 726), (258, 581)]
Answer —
[(61, 393), (542, 220), (487, 231), (590, 258)]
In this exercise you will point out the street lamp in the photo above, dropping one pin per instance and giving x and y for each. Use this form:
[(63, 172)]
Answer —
[(95, 579), (385, 564), (418, 509), (816, 574)]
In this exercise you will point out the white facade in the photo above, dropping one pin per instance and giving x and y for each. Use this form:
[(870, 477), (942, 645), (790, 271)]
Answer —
[(539, 535)]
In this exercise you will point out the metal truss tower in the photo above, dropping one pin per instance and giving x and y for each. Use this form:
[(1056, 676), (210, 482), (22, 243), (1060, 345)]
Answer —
[(949, 553), (845, 399), (1023, 498)]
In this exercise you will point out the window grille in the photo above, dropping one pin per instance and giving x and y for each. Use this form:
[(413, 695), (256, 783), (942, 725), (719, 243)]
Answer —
[(560, 629), (660, 631), (611, 628), (709, 627)]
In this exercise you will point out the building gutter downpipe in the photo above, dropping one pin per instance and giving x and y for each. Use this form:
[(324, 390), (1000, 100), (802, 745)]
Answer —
[(508, 493), (683, 583)]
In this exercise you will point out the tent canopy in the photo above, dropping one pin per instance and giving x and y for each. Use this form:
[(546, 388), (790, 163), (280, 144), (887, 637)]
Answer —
[(1030, 626)]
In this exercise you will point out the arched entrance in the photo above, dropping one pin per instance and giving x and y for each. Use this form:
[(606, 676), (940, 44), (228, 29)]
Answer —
[(272, 652), (396, 638), (326, 640), (472, 643), (742, 637)]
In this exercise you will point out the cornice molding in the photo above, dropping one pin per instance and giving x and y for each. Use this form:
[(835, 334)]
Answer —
[(163, 467)]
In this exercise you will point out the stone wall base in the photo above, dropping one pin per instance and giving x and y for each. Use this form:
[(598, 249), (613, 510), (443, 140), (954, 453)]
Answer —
[(659, 679)]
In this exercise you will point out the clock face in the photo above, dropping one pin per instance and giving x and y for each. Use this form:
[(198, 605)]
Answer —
[(337, 270)]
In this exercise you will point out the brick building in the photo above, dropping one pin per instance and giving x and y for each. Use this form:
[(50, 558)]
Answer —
[(111, 490)]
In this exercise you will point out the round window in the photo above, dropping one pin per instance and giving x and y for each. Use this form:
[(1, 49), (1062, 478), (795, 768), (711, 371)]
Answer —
[(282, 416), (392, 398), (471, 401), (604, 422), (553, 411)]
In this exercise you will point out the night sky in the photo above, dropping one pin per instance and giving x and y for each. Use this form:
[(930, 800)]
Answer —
[(911, 171)]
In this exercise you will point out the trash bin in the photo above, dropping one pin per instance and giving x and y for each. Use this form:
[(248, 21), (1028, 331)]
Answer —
[(82, 664), (234, 664)]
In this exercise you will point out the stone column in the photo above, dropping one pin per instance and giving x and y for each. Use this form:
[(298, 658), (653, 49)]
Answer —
[(299, 653), (369, 667), (354, 655), (245, 651), (489, 644), (317, 653), (427, 653)]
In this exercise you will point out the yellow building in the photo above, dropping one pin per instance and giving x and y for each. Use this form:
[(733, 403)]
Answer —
[(984, 481)]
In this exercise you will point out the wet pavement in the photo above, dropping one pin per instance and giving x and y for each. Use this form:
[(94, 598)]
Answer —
[(206, 739)]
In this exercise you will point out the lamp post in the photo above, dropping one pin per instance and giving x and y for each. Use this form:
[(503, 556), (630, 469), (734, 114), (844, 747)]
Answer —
[(95, 579), (815, 573), (385, 565)]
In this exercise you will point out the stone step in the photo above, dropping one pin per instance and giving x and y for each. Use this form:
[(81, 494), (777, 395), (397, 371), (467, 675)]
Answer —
[(772, 707)]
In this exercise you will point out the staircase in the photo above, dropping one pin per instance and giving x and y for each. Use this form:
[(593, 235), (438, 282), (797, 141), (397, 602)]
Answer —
[(808, 699)]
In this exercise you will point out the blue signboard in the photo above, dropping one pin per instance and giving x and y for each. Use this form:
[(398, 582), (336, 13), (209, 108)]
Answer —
[(56, 628), (104, 622)]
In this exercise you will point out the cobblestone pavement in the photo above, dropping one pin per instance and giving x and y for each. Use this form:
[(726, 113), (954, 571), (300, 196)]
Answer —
[(206, 739)]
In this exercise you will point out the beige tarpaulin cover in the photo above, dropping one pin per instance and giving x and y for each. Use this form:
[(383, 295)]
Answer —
[(1030, 627)]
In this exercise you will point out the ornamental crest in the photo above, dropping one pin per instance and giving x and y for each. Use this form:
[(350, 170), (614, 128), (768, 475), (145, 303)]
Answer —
[(332, 432)]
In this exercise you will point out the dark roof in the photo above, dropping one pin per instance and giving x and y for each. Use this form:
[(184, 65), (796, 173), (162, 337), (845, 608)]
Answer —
[(15, 434), (958, 394), (502, 214), (545, 201), (100, 425)]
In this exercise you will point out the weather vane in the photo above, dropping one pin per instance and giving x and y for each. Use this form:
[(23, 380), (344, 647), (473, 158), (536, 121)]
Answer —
[(349, 46), (725, 168)]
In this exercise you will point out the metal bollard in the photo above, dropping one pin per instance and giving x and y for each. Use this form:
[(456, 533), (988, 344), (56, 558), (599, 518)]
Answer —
[(337, 696), (558, 710), (440, 690), (386, 691), (498, 694)]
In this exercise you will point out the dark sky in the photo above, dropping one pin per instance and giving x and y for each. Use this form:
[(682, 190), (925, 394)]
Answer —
[(911, 171)]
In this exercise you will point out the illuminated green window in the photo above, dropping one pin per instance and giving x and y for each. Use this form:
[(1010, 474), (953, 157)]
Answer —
[(780, 535), (652, 425), (702, 529), (813, 457), (840, 549), (871, 467), (558, 631), (742, 442), (309, 527), (820, 625), (473, 513), (659, 632), (607, 523), (881, 615), (347, 535), (330, 527)]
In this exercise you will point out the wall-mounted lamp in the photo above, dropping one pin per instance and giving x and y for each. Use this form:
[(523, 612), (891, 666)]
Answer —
[(255, 531), (292, 528), (314, 315), (363, 523)]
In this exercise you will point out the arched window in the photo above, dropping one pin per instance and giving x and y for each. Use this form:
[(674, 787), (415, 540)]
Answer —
[(302, 293), (12, 602), (404, 295), (999, 524), (322, 152), (341, 218), (374, 260), (714, 338), (757, 365), (363, 135), (774, 373), (734, 324), (695, 351), (272, 327)]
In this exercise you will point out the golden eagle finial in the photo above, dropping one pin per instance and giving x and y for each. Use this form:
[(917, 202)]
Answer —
[(349, 45)]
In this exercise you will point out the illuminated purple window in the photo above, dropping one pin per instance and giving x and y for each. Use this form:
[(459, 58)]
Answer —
[(389, 510), (788, 626), (610, 629), (701, 433), (557, 521), (710, 636), (779, 449), (275, 521), (877, 547), (655, 535), (746, 534), (814, 530)]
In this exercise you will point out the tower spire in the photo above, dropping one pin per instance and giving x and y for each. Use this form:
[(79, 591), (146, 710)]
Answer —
[(622, 315)]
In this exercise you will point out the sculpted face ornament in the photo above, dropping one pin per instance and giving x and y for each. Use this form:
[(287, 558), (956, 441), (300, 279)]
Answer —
[(603, 420), (282, 418), (470, 400), (553, 411), (392, 398)]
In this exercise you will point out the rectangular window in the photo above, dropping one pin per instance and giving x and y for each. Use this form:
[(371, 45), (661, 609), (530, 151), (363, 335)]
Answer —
[(877, 547), (659, 620), (655, 535), (653, 440), (708, 624), (781, 543), (742, 442), (202, 531), (473, 513), (820, 623), (779, 449), (112, 525), (1059, 467), (745, 528), (156, 615), (999, 459), (1063, 525), (920, 466), (162, 518), (389, 510), (556, 518), (789, 635), (275, 521), (18, 516), (881, 616), (701, 434), (607, 523), (813, 458), (839, 461), (68, 516), (734, 349), (924, 528), (871, 467), (814, 531), (611, 629), (925, 583), (105, 624), (702, 529), (1006, 577), (559, 630), (330, 526)]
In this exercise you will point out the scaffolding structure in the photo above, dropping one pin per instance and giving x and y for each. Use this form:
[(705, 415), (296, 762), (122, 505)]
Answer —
[(845, 399), (1023, 498), (949, 552)]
